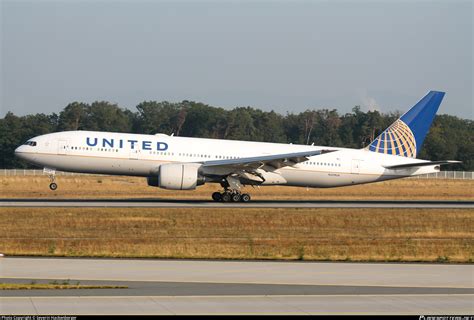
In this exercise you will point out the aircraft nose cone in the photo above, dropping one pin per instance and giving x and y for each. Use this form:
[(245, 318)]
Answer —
[(20, 152)]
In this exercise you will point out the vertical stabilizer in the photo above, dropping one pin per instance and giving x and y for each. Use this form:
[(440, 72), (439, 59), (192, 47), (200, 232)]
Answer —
[(406, 135)]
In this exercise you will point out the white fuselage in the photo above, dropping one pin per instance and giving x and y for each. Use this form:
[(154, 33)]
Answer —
[(141, 155)]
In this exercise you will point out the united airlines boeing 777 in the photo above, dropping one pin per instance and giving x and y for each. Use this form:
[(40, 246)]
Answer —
[(181, 163)]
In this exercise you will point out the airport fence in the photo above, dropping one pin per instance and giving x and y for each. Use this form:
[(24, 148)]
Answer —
[(462, 175), (39, 172)]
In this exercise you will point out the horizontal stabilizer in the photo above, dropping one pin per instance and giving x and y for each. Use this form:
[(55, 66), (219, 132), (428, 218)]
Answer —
[(421, 164)]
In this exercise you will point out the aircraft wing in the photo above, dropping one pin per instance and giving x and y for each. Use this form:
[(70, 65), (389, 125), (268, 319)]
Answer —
[(421, 164), (275, 160)]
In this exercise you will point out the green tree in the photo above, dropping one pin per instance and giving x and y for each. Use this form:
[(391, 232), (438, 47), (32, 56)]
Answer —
[(157, 117), (105, 116), (449, 137), (73, 116)]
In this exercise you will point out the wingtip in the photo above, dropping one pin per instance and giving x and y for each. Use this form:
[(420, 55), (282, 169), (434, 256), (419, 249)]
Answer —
[(438, 92), (323, 151)]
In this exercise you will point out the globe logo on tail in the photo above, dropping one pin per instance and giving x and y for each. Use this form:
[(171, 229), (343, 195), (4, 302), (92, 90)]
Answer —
[(398, 139)]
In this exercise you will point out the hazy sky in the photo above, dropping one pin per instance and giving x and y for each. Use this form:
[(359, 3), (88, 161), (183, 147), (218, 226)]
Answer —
[(280, 55)]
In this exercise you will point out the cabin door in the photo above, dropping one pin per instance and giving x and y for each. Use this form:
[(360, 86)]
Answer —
[(355, 166)]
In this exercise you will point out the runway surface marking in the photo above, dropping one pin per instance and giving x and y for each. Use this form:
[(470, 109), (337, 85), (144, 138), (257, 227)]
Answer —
[(166, 203)]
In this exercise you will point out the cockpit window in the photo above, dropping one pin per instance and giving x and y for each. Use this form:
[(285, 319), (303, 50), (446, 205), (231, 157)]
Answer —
[(30, 143)]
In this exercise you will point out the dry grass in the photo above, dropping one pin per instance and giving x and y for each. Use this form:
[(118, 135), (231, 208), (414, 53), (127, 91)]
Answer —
[(39, 286), (309, 234), (130, 187)]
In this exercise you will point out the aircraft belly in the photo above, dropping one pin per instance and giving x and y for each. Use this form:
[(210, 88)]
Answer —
[(321, 179)]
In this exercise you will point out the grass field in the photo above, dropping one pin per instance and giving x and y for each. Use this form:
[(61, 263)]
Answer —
[(129, 187), (291, 234), (42, 286)]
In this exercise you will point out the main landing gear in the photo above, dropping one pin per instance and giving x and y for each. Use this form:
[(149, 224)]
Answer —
[(230, 196), (231, 192)]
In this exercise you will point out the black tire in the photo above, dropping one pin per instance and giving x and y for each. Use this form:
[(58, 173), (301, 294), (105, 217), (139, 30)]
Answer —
[(226, 197), (236, 197), (216, 196), (245, 197), (53, 186)]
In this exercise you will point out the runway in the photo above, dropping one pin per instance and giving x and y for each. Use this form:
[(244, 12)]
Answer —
[(158, 288), (167, 203), (232, 287)]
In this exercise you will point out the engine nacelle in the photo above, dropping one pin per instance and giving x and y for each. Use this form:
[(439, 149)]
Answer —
[(177, 176)]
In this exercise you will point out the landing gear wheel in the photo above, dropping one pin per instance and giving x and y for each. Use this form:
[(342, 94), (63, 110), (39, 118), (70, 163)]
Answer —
[(53, 186), (236, 197), (226, 197), (245, 197), (216, 196)]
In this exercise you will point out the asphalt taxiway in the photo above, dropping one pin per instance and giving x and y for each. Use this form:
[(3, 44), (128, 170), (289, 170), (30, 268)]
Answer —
[(168, 203), (207, 287), (163, 289)]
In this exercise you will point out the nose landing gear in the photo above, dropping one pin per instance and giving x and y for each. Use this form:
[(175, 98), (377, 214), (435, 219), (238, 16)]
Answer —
[(52, 177)]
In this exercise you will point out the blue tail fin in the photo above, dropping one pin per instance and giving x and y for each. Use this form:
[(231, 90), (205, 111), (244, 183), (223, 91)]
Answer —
[(406, 135)]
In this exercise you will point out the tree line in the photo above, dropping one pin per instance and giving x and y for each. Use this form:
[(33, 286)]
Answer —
[(449, 138)]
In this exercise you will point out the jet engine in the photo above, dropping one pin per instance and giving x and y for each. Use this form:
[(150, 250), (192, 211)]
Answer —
[(177, 176)]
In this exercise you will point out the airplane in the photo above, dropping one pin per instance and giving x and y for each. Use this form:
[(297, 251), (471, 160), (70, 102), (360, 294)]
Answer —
[(183, 163)]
